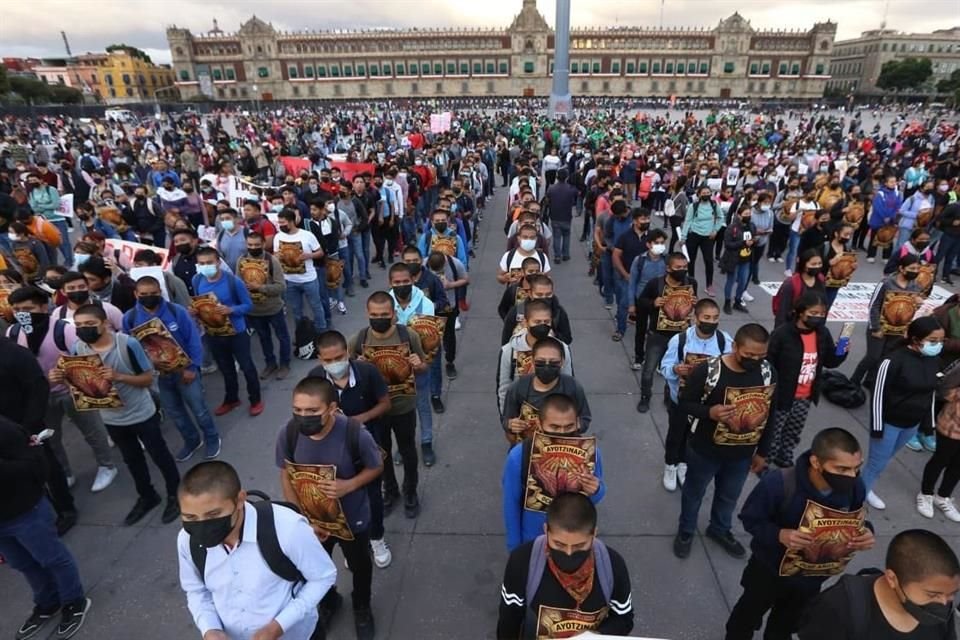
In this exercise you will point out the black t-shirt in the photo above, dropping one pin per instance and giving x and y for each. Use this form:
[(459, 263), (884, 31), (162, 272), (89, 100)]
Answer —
[(362, 393), (632, 246)]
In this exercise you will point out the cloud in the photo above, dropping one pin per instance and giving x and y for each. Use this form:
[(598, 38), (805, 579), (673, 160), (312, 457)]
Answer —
[(91, 25)]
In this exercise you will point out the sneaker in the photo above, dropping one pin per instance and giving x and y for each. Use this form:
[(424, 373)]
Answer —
[(728, 543), (381, 553), (644, 405), (711, 291), (208, 369), (186, 451), (411, 505), (617, 336), (948, 507), (608, 307), (747, 297), (437, 404), (364, 284), (637, 365), (66, 521), (342, 308), (727, 308), (71, 618), (738, 306), (332, 303), (914, 443), (670, 477), (37, 621), (929, 443), (390, 500), (363, 624), (779, 259), (429, 457), (874, 501), (140, 509), (456, 325), (212, 449), (268, 371), (871, 260), (170, 512), (329, 606), (681, 473), (283, 372), (788, 273), (226, 408), (771, 259), (71, 481), (925, 505), (105, 476), (256, 409), (682, 544), (451, 371)]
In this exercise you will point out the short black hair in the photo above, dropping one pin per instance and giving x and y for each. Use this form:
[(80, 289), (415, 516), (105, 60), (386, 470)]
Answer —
[(96, 266), (331, 339), (548, 343), (208, 251), (829, 441), (399, 267), (676, 255), (559, 402), (917, 554), (703, 304), (753, 332), (185, 232), (531, 306), (572, 512), (318, 388), (28, 294), (215, 476), (149, 280), (412, 248), (922, 327), (380, 297), (91, 309), (147, 255), (535, 279), (656, 234)]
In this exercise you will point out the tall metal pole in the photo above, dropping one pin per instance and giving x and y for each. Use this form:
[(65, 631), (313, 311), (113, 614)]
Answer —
[(561, 103)]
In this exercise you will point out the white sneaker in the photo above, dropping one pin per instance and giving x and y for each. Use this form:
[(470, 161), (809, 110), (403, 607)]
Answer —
[(874, 501), (771, 259), (456, 325), (208, 370), (681, 473), (871, 260), (949, 509), (670, 477), (71, 481), (788, 273), (925, 505), (381, 553), (779, 259), (747, 297), (342, 308), (110, 442), (332, 302), (105, 476)]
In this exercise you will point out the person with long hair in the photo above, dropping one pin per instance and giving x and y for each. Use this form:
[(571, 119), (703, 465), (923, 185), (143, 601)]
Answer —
[(808, 277), (675, 208)]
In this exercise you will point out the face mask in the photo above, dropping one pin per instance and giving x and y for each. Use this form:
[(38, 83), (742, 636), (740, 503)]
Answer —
[(388, 182), (528, 244), (78, 297), (569, 563), (150, 301), (910, 275), (547, 373), (812, 272), (932, 614), (814, 322), (210, 533), (440, 227), (644, 226), (658, 249), (678, 275), (707, 328), (381, 325), (255, 253), (403, 291), (943, 188), (920, 246), (29, 321), (309, 425), (183, 249), (14, 237), (931, 349), (765, 207), (79, 259), (745, 219), (750, 364), (227, 225), (88, 334), (415, 269), (540, 331), (338, 369), (207, 270), (839, 483), (704, 199)]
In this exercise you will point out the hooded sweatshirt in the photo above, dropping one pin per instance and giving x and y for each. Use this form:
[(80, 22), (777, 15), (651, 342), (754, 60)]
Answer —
[(506, 372)]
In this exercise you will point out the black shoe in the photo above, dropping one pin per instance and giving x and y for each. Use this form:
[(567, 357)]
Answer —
[(140, 509), (756, 281), (727, 309), (35, 623), (947, 281), (364, 284), (383, 265), (437, 404), (728, 542), (411, 505), (170, 512), (390, 500), (739, 306), (429, 457), (682, 543), (363, 623), (451, 371), (644, 405), (329, 606), (65, 522), (71, 618)]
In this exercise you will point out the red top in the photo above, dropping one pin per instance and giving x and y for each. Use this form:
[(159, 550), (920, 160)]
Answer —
[(808, 370)]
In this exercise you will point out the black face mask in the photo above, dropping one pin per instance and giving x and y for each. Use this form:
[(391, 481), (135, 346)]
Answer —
[(88, 334), (540, 331), (547, 373), (745, 220), (750, 364), (255, 253), (283, 229), (569, 563), (839, 483), (919, 246), (54, 283), (911, 275), (441, 227), (150, 302), (678, 275), (381, 325), (644, 226), (210, 533), (308, 425), (814, 322), (78, 297), (403, 291), (932, 614), (813, 273), (415, 268), (183, 249), (707, 328)]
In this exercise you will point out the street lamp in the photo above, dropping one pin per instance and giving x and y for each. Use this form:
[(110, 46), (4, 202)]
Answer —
[(255, 99)]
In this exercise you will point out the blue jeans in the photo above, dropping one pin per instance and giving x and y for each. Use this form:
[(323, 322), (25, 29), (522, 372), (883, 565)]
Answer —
[(65, 247), (278, 324), (606, 277), (791, 259), (621, 288), (903, 235), (355, 252), (225, 350), (436, 375), (882, 451), (176, 398), (424, 409), (29, 543), (740, 275), (294, 295), (728, 477), (561, 240), (947, 253), (365, 247)]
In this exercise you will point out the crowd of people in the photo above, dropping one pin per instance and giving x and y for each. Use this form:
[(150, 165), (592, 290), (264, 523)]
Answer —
[(140, 259)]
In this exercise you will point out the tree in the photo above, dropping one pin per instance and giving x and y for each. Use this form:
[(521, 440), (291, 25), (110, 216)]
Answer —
[(30, 89), (61, 94), (949, 85), (133, 51), (4, 81), (909, 73)]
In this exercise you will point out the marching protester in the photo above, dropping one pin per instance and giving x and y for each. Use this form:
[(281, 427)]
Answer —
[(263, 276)]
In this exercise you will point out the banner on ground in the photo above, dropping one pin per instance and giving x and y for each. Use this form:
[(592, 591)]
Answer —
[(853, 301)]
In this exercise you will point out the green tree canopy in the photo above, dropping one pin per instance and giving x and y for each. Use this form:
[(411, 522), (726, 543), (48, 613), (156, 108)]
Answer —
[(909, 73), (61, 94), (30, 89), (951, 84), (4, 80), (133, 51)]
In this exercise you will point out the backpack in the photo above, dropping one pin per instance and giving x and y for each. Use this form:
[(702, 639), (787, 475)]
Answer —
[(353, 442), (714, 368), (541, 256), (402, 331), (839, 390), (305, 339), (538, 562), (682, 342), (645, 186), (59, 335), (62, 315), (777, 301)]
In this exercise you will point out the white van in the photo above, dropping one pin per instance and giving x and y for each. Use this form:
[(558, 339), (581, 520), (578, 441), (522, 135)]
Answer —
[(121, 115)]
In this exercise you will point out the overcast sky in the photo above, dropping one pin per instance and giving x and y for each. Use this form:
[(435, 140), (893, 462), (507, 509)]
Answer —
[(33, 28)]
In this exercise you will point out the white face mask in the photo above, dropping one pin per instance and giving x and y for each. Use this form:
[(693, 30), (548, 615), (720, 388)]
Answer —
[(331, 207), (388, 182), (528, 244), (658, 249)]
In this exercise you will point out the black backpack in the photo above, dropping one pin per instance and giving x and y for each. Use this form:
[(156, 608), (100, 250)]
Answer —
[(305, 339), (59, 336), (840, 390), (353, 442)]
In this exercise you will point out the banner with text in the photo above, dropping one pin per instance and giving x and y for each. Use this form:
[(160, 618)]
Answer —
[(853, 301)]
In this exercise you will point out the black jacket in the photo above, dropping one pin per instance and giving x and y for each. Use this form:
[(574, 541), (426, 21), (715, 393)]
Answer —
[(22, 471), (24, 389), (645, 302), (560, 323), (785, 353), (905, 391)]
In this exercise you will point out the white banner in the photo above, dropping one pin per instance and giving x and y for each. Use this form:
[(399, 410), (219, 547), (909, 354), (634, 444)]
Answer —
[(129, 249), (853, 301), (66, 205)]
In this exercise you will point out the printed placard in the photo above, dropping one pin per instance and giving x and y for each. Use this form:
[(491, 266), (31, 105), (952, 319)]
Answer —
[(885, 236), (926, 277), (90, 390), (289, 256), (555, 622), (556, 463), (523, 363), (447, 245), (162, 348), (6, 311), (897, 312), (393, 362), (531, 416), (430, 329), (321, 510), (852, 303), (29, 264), (677, 306), (334, 269), (840, 272), (215, 322), (752, 407), (254, 272), (831, 530)]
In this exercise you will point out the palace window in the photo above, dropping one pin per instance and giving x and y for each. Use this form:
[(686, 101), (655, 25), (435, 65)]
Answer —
[(335, 71), (795, 69), (361, 70), (704, 68), (184, 75), (491, 68), (126, 79), (681, 67), (783, 69), (669, 68), (819, 70), (374, 70), (765, 69), (451, 68), (643, 67), (401, 70), (291, 70), (414, 69), (528, 67), (728, 67), (387, 70), (656, 67), (464, 68), (615, 67), (437, 69), (631, 67), (596, 67), (263, 72), (477, 68), (503, 68), (232, 75), (347, 71), (754, 68)]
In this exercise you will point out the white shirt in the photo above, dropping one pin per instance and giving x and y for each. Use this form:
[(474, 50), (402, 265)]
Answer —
[(800, 207), (239, 594), (519, 257), (309, 243)]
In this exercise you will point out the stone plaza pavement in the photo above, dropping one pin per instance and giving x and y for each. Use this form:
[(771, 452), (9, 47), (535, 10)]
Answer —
[(448, 563)]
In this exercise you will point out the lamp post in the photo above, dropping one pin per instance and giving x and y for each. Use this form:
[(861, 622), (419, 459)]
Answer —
[(561, 103), (256, 109)]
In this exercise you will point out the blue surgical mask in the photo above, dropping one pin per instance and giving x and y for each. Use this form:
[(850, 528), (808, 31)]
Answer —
[(207, 270), (227, 225), (79, 259), (931, 349)]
